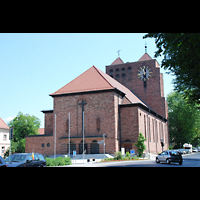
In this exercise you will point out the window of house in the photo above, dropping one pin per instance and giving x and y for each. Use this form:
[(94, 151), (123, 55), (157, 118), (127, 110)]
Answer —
[(117, 70), (4, 137), (2, 150)]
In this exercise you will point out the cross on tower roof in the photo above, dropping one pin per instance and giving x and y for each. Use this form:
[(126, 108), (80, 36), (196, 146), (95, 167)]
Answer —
[(118, 52)]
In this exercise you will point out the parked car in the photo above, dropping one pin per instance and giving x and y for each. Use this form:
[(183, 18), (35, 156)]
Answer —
[(170, 156), (26, 160), (194, 150), (182, 151), (2, 162)]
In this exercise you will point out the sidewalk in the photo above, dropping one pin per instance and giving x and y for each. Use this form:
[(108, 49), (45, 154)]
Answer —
[(81, 163)]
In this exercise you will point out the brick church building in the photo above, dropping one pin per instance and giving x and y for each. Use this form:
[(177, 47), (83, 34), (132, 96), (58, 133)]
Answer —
[(119, 104)]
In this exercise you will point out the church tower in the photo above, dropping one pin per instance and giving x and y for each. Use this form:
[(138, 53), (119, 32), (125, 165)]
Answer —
[(144, 79)]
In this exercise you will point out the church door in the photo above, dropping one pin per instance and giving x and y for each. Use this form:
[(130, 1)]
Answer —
[(81, 148), (72, 147), (94, 147)]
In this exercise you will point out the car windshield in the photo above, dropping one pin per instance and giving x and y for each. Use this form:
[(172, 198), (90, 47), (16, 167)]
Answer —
[(174, 153), (16, 158)]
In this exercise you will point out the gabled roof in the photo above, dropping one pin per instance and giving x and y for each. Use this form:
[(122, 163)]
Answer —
[(146, 56), (117, 61), (96, 80), (3, 125)]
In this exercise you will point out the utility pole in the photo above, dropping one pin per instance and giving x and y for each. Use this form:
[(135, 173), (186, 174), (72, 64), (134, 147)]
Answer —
[(104, 145), (83, 135), (55, 140), (69, 134)]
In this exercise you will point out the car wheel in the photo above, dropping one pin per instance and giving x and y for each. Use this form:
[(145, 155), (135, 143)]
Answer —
[(181, 162), (168, 161), (157, 160)]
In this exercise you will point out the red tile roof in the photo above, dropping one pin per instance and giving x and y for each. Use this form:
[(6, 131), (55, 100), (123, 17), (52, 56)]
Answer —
[(3, 125), (146, 56), (117, 61), (96, 80)]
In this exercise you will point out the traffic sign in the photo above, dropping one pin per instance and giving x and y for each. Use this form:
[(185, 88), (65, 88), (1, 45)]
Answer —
[(132, 151), (101, 142), (74, 153)]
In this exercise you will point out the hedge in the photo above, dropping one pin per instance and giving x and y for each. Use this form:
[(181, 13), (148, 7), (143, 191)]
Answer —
[(59, 161)]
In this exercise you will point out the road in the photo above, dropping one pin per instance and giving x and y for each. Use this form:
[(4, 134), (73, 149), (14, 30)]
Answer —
[(189, 160)]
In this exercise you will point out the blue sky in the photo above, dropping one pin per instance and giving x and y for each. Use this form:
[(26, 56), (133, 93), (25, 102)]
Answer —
[(34, 65)]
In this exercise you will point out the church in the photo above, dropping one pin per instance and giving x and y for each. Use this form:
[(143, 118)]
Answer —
[(114, 106)]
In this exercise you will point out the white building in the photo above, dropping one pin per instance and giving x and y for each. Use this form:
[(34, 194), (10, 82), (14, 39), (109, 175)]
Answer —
[(4, 137)]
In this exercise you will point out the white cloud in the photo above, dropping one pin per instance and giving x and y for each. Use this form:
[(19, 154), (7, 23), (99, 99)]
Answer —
[(8, 119)]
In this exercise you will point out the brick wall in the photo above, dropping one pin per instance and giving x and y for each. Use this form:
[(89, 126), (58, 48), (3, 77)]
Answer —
[(135, 120), (153, 94), (101, 105), (35, 144)]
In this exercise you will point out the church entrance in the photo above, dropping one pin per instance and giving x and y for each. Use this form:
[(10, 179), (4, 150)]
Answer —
[(81, 147), (94, 147), (72, 147)]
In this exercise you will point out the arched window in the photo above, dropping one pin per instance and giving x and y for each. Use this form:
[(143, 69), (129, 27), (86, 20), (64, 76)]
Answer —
[(123, 69), (94, 141), (117, 70), (127, 140), (117, 76), (123, 75), (129, 68), (111, 71)]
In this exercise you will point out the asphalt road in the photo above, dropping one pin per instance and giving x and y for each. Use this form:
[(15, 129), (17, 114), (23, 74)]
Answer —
[(189, 160)]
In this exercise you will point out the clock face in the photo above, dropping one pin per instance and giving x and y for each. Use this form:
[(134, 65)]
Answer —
[(144, 73)]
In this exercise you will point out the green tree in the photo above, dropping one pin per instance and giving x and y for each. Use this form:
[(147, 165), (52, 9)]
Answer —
[(23, 125), (140, 144), (184, 124), (181, 56)]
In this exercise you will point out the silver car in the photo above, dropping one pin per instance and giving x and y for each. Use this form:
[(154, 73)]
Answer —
[(169, 156)]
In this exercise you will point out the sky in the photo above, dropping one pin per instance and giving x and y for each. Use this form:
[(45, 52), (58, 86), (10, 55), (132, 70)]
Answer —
[(34, 65)]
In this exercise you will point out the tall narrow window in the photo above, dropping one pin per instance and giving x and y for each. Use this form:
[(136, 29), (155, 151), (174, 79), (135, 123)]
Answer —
[(67, 125), (98, 123), (145, 127)]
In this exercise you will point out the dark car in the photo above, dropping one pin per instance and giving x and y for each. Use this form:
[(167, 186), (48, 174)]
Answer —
[(170, 156), (26, 160), (2, 162)]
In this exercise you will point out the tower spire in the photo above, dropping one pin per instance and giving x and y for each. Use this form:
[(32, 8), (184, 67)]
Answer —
[(145, 47)]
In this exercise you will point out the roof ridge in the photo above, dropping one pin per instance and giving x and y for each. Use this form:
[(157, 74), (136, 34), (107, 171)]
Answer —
[(6, 126), (71, 81), (103, 76)]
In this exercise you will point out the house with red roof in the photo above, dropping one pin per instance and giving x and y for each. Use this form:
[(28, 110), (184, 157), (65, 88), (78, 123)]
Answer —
[(115, 106), (4, 137)]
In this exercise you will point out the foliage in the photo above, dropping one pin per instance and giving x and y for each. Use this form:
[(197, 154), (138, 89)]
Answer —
[(59, 161), (23, 125), (140, 144), (183, 120), (118, 155), (181, 56), (128, 155)]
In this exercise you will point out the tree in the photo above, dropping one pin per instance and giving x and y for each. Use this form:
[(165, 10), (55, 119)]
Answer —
[(23, 125), (140, 144), (181, 56), (183, 120)]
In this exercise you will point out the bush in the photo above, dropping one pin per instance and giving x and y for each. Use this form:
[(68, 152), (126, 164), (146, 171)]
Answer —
[(118, 155), (140, 144), (128, 155), (58, 161)]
